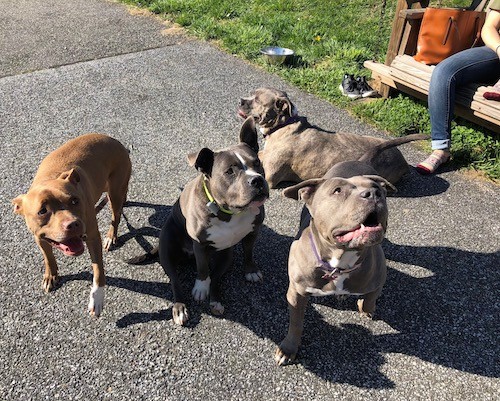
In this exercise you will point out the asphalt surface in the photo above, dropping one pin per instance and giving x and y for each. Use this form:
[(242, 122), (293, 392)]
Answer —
[(73, 67)]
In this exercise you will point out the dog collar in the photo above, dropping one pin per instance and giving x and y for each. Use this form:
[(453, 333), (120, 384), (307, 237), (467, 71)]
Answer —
[(330, 272), (212, 204), (292, 119)]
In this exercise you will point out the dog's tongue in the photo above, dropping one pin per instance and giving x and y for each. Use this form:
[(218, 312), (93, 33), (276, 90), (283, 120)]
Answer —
[(349, 236), (71, 247)]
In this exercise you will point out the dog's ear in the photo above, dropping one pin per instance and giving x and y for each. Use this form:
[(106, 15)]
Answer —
[(18, 204), (284, 105), (304, 190), (383, 183), (248, 134), (202, 161), (71, 175)]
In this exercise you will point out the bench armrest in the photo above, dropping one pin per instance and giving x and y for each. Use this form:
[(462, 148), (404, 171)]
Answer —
[(412, 14)]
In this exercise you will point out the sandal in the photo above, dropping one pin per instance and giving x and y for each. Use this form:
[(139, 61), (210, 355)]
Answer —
[(431, 164)]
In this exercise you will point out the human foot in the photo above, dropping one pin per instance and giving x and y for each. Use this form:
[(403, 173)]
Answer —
[(431, 164)]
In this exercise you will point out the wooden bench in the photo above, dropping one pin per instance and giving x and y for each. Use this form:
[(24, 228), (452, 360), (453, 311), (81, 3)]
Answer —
[(400, 71)]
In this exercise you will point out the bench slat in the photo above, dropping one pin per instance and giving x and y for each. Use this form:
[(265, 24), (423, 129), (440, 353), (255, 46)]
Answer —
[(411, 76), (407, 75), (405, 59)]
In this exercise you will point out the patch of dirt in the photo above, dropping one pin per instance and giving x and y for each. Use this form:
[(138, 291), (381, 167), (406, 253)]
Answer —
[(171, 27)]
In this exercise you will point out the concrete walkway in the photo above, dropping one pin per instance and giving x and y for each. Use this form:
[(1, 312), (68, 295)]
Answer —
[(70, 67)]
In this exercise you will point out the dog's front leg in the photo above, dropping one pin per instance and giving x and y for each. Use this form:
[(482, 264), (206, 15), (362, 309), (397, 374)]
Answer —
[(287, 350), (366, 303), (222, 262), (201, 287), (252, 273), (96, 302), (50, 275)]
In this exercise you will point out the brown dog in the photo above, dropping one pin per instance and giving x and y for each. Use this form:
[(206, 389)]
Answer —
[(295, 150), (59, 207)]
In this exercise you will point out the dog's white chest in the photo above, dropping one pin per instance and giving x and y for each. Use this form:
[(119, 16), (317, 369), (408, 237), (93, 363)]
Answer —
[(224, 234), (346, 261)]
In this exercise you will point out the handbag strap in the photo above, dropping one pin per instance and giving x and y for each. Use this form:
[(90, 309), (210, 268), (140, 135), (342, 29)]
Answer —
[(477, 29), (448, 30), (477, 5)]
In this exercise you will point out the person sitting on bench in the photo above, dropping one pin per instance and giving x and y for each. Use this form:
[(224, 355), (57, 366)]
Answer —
[(458, 70)]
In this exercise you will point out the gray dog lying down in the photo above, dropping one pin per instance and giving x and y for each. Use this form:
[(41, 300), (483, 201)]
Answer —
[(337, 250), (295, 150)]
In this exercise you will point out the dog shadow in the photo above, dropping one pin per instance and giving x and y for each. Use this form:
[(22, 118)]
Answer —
[(140, 234), (445, 316), (450, 316), (415, 185)]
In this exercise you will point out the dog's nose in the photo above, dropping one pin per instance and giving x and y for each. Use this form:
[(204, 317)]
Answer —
[(71, 225), (371, 193), (256, 181)]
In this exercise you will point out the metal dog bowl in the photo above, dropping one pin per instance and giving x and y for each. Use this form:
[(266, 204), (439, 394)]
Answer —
[(276, 55)]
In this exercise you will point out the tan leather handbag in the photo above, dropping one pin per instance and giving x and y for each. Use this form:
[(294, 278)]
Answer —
[(446, 31)]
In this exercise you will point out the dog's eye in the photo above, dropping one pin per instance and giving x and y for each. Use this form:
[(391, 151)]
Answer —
[(42, 211), (230, 171), (337, 191), (74, 201)]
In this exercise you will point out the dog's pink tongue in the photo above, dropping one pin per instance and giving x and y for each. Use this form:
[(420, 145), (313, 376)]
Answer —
[(357, 232), (72, 247)]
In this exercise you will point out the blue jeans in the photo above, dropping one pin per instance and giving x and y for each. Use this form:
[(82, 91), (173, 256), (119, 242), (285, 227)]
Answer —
[(479, 64)]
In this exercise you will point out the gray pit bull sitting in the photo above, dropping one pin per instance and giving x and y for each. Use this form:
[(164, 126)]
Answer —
[(295, 150), (337, 250), (219, 208)]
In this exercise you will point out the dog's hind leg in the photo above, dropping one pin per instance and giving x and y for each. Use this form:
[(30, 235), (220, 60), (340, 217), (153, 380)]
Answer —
[(169, 259), (117, 195)]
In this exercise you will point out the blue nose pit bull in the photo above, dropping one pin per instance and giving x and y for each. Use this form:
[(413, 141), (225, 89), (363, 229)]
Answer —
[(295, 150), (222, 206), (337, 250)]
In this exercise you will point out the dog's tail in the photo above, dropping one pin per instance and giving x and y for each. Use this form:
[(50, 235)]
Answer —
[(377, 149), (145, 258)]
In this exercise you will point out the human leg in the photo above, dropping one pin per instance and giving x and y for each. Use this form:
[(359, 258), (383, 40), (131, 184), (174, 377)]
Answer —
[(471, 65)]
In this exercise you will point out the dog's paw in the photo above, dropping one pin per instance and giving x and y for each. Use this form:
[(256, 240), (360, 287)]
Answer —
[(108, 242), (254, 277), (216, 308), (180, 314), (368, 314), (49, 282), (283, 358), (96, 302), (201, 289)]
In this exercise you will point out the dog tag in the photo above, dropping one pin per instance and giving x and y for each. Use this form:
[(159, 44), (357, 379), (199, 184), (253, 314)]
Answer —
[(214, 209)]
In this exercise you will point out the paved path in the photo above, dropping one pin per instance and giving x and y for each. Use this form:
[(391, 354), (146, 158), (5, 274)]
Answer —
[(70, 67)]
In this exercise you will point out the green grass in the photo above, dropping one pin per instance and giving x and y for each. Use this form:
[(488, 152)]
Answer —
[(330, 38)]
